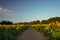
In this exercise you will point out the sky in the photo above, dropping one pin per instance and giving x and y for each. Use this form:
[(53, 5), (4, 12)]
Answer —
[(28, 10)]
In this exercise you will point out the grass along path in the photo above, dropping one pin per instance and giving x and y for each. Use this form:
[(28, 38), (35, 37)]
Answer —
[(31, 34)]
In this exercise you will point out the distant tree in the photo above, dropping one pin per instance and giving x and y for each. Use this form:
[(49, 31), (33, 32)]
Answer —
[(44, 22), (54, 19), (35, 22), (6, 22)]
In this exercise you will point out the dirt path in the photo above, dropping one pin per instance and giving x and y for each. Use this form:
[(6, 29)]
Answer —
[(31, 34)]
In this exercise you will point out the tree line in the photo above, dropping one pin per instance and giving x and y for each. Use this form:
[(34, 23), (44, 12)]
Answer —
[(50, 20), (6, 22)]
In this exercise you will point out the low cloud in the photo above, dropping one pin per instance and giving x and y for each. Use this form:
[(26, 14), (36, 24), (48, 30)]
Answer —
[(6, 12)]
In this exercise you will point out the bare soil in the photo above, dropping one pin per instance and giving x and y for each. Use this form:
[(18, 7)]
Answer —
[(31, 34)]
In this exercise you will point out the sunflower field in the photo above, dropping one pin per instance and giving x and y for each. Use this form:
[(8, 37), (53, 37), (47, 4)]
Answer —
[(10, 32)]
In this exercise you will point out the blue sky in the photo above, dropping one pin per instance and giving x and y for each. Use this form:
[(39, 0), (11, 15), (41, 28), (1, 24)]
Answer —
[(29, 10)]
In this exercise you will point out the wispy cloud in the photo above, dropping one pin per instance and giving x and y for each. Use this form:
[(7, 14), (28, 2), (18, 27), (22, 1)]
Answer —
[(6, 12)]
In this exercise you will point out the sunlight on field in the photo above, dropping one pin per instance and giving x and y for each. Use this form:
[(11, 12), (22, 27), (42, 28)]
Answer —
[(9, 32)]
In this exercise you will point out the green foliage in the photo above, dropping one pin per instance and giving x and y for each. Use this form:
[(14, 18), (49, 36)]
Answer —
[(50, 20), (53, 32), (35, 22), (10, 33), (6, 22), (44, 22), (54, 19)]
